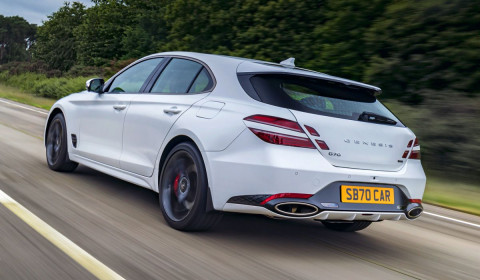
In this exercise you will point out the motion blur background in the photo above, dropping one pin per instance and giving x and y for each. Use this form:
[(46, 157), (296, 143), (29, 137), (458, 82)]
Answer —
[(423, 54)]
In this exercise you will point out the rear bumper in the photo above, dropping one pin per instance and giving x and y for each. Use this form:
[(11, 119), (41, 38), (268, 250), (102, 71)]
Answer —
[(322, 216), (251, 167), (327, 205)]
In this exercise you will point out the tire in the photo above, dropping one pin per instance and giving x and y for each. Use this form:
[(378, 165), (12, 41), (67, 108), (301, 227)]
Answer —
[(346, 226), (183, 190), (57, 146)]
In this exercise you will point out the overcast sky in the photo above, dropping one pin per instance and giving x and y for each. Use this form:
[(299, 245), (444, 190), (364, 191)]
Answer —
[(34, 11)]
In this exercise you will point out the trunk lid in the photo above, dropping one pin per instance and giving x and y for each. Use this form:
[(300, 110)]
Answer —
[(357, 144)]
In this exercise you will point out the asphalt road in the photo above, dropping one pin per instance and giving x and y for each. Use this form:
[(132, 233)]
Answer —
[(121, 226)]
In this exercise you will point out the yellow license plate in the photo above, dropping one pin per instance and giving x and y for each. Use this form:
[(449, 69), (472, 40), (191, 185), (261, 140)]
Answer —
[(359, 194)]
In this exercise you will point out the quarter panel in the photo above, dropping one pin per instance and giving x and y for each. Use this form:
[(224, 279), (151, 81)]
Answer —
[(218, 133)]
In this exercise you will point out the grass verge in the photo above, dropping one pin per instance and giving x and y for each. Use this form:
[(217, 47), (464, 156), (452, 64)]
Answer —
[(453, 194), (26, 98)]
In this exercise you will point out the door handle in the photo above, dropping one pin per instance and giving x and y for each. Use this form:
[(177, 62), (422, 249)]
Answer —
[(172, 110), (119, 107)]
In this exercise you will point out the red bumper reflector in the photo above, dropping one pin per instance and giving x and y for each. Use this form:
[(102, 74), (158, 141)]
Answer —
[(415, 200), (286, 195), (283, 139)]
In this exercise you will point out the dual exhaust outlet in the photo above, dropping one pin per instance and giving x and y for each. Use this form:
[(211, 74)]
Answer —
[(300, 209), (413, 211)]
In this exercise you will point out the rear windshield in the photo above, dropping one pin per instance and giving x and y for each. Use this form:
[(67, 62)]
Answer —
[(313, 95)]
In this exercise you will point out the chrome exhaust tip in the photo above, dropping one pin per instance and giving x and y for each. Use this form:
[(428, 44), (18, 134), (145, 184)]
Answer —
[(298, 209), (414, 211)]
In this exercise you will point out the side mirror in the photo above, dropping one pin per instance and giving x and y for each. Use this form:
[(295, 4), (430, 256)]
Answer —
[(95, 85)]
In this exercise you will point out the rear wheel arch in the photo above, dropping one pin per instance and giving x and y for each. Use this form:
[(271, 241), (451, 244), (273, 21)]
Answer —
[(171, 144)]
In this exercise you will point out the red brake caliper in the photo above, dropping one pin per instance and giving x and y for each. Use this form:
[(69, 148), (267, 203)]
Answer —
[(175, 184)]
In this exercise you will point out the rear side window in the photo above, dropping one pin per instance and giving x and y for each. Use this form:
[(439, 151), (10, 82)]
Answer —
[(182, 76), (203, 82), (315, 96)]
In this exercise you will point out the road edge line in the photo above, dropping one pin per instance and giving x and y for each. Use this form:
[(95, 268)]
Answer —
[(24, 107), (71, 249), (452, 219)]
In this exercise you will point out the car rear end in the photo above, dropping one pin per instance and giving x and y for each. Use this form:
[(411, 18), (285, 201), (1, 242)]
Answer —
[(336, 153)]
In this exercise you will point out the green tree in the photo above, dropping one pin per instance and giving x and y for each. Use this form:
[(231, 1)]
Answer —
[(339, 46), (419, 48), (56, 43), (276, 30), (99, 36), (261, 29), (16, 38), (147, 31), (198, 25)]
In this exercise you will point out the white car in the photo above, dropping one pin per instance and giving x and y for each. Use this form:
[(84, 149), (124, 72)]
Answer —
[(213, 133)]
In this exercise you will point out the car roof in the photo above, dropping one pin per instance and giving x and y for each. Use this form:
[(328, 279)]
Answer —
[(246, 65)]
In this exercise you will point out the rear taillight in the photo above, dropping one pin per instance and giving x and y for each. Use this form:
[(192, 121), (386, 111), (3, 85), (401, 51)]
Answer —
[(282, 139), (409, 145), (322, 145), (278, 122), (277, 138), (312, 131), (415, 153)]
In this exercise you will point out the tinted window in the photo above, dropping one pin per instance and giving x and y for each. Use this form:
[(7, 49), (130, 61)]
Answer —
[(317, 96), (203, 82), (177, 76), (132, 79)]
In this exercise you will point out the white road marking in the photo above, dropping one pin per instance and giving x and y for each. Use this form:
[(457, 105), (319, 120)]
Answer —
[(83, 258), (24, 107), (452, 219)]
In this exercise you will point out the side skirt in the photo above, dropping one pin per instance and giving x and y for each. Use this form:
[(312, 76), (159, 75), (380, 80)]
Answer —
[(146, 182)]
